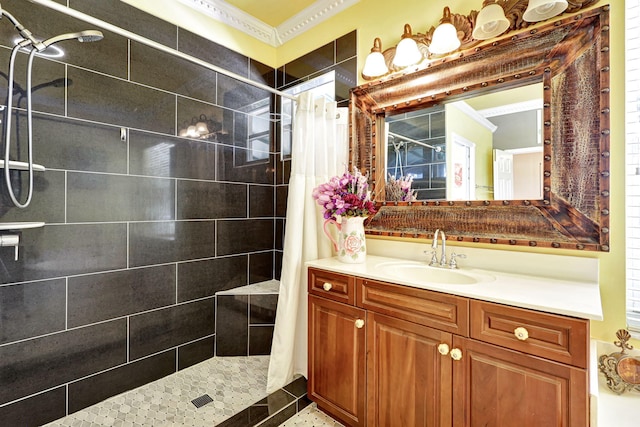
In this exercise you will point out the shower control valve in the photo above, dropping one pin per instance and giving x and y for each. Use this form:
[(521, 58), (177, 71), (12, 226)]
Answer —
[(10, 240)]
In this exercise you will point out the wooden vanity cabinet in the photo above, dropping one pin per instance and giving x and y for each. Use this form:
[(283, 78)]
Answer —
[(521, 368), (494, 386), (336, 354), (409, 382), (434, 359)]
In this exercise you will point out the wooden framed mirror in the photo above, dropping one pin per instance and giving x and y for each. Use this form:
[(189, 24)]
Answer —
[(569, 59)]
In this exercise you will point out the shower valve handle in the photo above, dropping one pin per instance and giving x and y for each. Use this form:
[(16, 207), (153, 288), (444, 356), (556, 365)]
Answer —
[(11, 240)]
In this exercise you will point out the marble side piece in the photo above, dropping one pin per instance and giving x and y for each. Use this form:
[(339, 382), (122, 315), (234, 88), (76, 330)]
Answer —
[(266, 287)]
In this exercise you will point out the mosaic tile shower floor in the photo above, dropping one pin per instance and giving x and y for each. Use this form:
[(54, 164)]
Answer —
[(233, 383)]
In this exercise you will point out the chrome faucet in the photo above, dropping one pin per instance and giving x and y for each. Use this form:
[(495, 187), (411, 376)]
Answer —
[(434, 247)]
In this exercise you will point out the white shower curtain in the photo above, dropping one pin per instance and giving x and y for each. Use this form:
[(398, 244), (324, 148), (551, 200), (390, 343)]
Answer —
[(319, 151)]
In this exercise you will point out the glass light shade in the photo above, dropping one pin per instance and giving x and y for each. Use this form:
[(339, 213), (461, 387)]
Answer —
[(191, 132), (201, 128), (407, 52), (539, 10), (490, 22), (374, 65), (445, 39)]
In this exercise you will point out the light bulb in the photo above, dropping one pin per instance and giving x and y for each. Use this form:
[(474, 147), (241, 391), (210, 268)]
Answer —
[(490, 22), (375, 65), (445, 37), (407, 52)]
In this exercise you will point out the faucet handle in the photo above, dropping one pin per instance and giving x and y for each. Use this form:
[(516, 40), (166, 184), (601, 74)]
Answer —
[(452, 262), (434, 257)]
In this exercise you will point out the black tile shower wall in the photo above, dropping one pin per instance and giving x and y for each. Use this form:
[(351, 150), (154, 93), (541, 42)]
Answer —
[(142, 224), (339, 56), (118, 287), (245, 323)]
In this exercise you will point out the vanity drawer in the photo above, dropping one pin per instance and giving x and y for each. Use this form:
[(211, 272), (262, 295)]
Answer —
[(449, 313), (335, 286), (560, 338)]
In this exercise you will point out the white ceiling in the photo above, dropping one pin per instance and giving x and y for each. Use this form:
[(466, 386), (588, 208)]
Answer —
[(271, 21)]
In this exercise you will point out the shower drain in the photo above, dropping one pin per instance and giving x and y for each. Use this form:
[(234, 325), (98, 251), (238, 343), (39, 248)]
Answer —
[(199, 402)]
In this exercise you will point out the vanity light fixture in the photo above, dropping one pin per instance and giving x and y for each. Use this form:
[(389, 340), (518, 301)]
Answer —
[(491, 22), (200, 127), (445, 37), (407, 52), (539, 10), (458, 31), (375, 65)]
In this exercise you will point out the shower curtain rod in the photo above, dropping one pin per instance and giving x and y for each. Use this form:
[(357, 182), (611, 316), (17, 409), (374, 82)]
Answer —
[(424, 144), (133, 36)]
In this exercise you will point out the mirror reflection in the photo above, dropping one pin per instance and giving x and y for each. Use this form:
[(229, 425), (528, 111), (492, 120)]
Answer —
[(485, 147)]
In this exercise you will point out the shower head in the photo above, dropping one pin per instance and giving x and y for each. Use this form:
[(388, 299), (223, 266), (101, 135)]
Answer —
[(89, 36), (86, 36)]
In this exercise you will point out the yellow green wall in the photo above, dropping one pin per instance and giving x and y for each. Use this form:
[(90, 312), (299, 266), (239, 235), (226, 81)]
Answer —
[(385, 19), (459, 122)]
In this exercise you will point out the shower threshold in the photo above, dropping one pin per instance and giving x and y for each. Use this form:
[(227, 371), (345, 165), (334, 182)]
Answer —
[(236, 388)]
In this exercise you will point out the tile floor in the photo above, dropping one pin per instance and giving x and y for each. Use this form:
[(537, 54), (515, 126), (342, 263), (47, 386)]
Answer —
[(311, 416), (236, 386)]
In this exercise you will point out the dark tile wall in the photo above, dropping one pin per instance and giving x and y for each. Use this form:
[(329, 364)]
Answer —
[(248, 321), (143, 226)]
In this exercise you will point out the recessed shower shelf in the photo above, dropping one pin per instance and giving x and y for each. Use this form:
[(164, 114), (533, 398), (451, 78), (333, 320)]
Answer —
[(19, 225), (23, 166)]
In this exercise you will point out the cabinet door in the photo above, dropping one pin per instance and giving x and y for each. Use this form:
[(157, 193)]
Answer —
[(497, 387), (408, 379), (337, 359)]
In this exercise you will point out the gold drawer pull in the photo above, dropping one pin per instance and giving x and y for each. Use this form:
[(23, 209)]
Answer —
[(327, 286), (456, 354), (521, 333), (443, 349), (359, 323)]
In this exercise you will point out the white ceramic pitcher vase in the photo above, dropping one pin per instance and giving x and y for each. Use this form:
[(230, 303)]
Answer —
[(350, 245)]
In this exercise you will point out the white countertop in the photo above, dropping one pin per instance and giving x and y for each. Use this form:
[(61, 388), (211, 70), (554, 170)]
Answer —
[(578, 298)]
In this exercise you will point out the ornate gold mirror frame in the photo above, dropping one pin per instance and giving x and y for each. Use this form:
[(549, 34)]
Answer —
[(621, 370), (570, 56)]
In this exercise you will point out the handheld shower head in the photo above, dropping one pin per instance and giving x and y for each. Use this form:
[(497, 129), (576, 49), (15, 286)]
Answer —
[(86, 36)]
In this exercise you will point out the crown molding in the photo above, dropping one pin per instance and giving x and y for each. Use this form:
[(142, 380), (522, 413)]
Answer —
[(516, 107), (475, 115), (230, 15), (318, 12)]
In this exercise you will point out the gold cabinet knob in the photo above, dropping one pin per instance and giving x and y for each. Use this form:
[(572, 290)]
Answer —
[(359, 323), (327, 286), (521, 333), (456, 354), (443, 349)]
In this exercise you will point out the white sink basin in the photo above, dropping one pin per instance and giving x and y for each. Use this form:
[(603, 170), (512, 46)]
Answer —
[(419, 272)]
